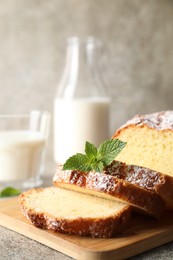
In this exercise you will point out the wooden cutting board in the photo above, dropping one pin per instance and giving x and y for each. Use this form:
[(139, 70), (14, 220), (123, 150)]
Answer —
[(143, 234)]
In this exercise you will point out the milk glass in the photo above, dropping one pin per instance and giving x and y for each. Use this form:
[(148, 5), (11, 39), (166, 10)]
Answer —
[(81, 105), (22, 149)]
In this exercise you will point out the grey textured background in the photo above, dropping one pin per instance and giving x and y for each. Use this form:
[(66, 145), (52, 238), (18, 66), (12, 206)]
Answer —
[(137, 58)]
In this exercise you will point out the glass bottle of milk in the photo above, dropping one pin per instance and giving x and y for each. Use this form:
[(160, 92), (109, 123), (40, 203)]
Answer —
[(81, 106)]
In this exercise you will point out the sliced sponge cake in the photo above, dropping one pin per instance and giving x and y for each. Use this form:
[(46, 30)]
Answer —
[(73, 212), (108, 186)]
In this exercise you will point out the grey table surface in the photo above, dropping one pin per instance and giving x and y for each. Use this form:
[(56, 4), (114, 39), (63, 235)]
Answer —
[(14, 246)]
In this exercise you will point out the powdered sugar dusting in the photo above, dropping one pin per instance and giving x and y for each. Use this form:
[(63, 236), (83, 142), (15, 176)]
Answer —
[(137, 175), (160, 120)]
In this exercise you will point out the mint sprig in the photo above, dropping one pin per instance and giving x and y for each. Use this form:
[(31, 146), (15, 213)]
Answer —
[(8, 192), (95, 159)]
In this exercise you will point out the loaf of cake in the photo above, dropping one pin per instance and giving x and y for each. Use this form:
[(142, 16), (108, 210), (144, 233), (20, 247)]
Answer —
[(72, 212), (150, 144), (108, 186)]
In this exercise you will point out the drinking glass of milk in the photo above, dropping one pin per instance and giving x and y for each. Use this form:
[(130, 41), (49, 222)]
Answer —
[(81, 106), (22, 148)]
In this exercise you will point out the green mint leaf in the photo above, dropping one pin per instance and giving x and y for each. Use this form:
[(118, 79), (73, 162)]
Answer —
[(95, 159), (78, 161), (109, 149), (90, 150), (9, 191), (97, 166)]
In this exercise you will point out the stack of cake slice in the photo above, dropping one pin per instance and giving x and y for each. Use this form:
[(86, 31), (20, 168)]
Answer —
[(100, 204)]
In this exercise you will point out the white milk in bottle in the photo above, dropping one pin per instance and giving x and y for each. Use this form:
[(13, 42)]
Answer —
[(81, 106), (77, 121)]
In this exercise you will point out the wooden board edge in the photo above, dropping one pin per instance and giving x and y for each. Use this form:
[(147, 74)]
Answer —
[(32, 232), (139, 247), (70, 249)]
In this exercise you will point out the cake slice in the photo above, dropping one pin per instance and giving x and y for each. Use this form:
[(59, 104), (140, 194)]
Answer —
[(107, 186), (71, 212), (146, 178), (150, 144)]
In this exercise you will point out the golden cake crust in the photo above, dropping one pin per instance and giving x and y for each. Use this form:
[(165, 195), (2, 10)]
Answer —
[(145, 178)]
